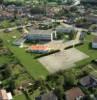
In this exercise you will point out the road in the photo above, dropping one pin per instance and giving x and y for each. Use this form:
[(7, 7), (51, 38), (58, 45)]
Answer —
[(16, 27), (61, 21)]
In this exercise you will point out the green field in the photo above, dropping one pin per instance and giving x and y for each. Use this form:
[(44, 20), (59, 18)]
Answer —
[(35, 69), (23, 97), (4, 59), (87, 49), (20, 97)]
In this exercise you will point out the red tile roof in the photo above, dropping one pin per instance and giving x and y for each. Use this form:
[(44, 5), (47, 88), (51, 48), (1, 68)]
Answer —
[(73, 93), (39, 47)]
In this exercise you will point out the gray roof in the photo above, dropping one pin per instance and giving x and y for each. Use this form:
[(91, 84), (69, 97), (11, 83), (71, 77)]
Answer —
[(49, 96), (88, 81), (85, 80), (64, 29), (37, 31)]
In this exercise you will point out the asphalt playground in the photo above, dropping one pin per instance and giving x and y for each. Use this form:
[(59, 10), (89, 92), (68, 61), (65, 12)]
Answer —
[(62, 60)]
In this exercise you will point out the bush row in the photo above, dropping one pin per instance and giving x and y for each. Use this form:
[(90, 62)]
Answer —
[(74, 45), (46, 54)]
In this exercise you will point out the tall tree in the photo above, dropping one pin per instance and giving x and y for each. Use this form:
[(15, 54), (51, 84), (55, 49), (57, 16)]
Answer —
[(1, 1)]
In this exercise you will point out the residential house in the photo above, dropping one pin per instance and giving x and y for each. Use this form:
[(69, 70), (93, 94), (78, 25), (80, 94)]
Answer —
[(88, 81), (74, 94), (47, 96), (4, 95)]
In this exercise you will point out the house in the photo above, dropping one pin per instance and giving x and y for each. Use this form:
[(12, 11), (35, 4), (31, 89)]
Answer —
[(41, 35), (89, 1), (38, 49), (18, 42), (74, 94), (88, 81), (47, 96), (4, 95), (94, 43)]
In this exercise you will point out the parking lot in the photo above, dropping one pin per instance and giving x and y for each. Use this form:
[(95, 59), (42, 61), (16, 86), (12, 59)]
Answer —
[(62, 60)]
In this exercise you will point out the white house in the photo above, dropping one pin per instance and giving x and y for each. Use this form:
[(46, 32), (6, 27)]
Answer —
[(94, 43), (4, 95)]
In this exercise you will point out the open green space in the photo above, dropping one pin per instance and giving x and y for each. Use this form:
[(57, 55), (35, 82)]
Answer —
[(20, 97), (35, 69), (23, 97), (87, 49), (4, 59)]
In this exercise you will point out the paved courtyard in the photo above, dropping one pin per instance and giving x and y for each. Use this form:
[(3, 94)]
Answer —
[(60, 44), (62, 60)]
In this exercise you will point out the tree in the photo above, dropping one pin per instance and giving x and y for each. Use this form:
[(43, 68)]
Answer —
[(5, 24), (60, 81), (59, 91), (1, 42), (11, 85), (26, 95), (1, 1), (70, 79), (6, 73), (70, 2)]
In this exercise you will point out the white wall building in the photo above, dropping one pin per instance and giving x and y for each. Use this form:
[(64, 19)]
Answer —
[(4, 95)]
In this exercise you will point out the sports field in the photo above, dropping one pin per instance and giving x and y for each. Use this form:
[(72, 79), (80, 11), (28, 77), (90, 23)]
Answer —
[(62, 60)]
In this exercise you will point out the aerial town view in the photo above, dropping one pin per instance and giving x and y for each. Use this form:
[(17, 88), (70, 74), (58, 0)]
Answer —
[(48, 49)]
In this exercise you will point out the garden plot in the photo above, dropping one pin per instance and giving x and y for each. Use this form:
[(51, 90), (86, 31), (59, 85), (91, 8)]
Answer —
[(62, 60)]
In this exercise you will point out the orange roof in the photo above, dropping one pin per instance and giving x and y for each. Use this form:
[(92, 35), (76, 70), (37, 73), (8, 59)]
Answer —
[(39, 47)]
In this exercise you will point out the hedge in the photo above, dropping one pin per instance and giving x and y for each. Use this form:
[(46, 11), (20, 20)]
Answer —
[(46, 54)]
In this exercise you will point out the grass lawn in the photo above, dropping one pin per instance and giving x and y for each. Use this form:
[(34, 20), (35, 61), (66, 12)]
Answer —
[(20, 97), (32, 97), (35, 69), (4, 59), (86, 48)]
